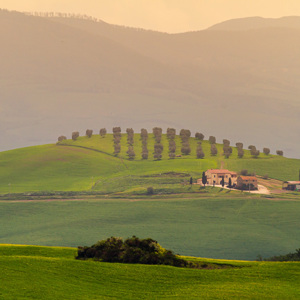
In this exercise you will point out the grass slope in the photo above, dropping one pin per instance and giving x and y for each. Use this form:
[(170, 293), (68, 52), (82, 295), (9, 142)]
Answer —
[(89, 164), (53, 273), (220, 226)]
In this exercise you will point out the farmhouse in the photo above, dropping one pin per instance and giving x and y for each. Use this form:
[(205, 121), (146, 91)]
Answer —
[(291, 185), (247, 183), (214, 176)]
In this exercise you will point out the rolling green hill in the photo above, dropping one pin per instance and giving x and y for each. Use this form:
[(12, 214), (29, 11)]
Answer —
[(220, 225), (88, 164), (52, 273)]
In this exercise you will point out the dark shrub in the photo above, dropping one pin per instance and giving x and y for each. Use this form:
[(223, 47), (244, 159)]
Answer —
[(150, 190), (132, 250)]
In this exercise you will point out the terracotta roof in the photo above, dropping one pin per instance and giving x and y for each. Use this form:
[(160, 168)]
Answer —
[(293, 182), (248, 178), (221, 171)]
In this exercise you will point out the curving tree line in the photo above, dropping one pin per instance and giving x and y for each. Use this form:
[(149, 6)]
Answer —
[(184, 135)]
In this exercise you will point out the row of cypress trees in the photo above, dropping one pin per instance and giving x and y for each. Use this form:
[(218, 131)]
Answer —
[(184, 134)]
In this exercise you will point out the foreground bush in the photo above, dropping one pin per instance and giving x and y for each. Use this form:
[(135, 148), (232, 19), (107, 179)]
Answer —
[(132, 250)]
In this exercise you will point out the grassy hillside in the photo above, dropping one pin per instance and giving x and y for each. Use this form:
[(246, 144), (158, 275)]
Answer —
[(89, 164), (222, 225), (53, 273)]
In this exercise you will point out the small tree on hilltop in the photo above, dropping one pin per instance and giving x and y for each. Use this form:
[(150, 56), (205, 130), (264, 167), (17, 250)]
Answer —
[(172, 146), (144, 152), (213, 149), (75, 135), (117, 139), (255, 153), (212, 140), (89, 133), (226, 142), (102, 132), (266, 151), (239, 145), (158, 149), (144, 134), (117, 131), (185, 149), (157, 132), (240, 152), (199, 151), (130, 136), (171, 133), (279, 152), (199, 136), (227, 151), (61, 138), (185, 134)]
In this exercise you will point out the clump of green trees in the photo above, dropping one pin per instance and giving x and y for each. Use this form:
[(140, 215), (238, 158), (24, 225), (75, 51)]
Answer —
[(287, 257), (132, 250)]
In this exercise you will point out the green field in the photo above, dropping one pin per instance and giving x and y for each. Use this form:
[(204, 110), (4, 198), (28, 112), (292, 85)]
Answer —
[(53, 273), (228, 227), (88, 164)]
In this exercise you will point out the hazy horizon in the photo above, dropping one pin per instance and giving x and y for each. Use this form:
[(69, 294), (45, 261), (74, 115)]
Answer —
[(165, 15)]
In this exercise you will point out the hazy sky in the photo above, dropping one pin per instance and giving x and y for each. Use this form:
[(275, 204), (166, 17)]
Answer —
[(163, 15)]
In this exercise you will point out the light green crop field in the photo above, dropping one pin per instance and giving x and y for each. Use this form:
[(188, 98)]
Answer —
[(53, 273), (88, 164), (227, 227)]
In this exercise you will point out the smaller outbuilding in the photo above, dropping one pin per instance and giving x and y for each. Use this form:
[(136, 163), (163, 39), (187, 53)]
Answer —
[(291, 186), (246, 183)]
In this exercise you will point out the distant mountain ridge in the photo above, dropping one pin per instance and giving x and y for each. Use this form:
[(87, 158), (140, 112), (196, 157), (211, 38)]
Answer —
[(258, 23), (64, 74)]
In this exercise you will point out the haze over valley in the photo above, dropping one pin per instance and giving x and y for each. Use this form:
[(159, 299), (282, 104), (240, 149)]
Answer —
[(237, 80)]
